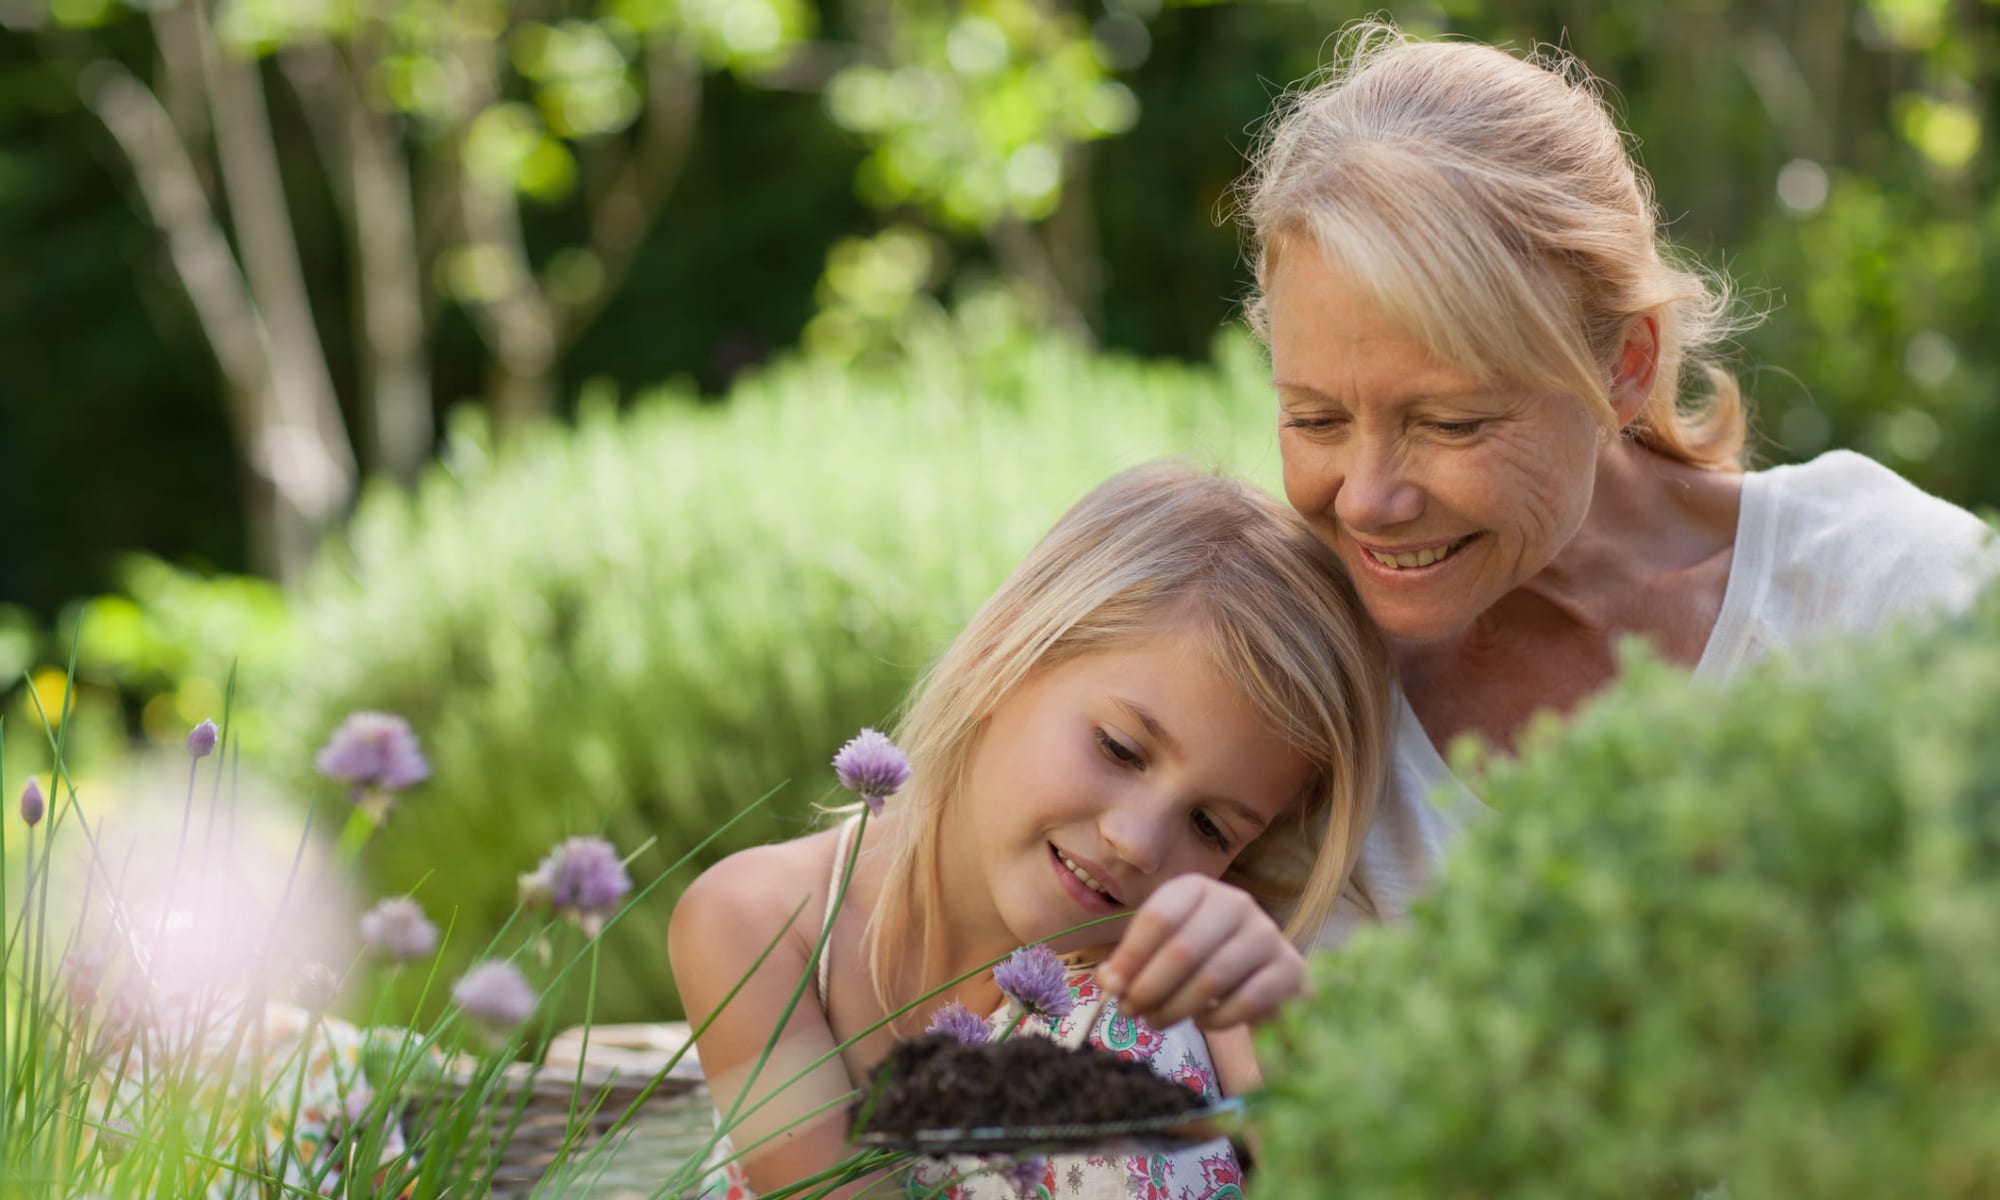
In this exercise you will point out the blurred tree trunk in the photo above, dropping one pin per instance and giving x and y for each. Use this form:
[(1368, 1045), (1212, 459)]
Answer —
[(296, 480), (524, 321), (511, 310), (632, 180), (362, 149)]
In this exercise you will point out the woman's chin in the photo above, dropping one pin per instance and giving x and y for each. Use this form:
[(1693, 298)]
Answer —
[(1419, 621)]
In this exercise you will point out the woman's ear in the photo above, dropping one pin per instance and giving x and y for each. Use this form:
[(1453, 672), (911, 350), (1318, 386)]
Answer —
[(1633, 371)]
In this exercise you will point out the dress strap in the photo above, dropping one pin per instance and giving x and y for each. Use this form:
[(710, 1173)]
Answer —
[(841, 843)]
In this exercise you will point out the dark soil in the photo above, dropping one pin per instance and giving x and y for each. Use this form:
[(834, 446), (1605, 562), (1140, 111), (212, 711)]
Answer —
[(938, 1082)]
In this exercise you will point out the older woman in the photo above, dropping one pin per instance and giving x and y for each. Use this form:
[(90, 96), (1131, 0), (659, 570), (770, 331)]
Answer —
[(1480, 344)]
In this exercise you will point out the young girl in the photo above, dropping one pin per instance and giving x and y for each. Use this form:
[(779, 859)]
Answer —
[(1173, 710)]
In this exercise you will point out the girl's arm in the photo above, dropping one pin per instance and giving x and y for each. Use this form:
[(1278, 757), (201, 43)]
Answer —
[(1237, 1074), (724, 920), (1235, 1060)]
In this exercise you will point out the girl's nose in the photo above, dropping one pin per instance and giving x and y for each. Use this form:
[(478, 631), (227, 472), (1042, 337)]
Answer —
[(1377, 491), (1136, 832)]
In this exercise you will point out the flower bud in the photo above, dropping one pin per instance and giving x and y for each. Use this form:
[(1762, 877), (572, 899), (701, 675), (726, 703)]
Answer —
[(201, 741), (316, 986), (495, 994)]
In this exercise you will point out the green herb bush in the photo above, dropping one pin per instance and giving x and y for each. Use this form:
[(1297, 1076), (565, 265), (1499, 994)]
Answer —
[(1744, 939), (636, 625)]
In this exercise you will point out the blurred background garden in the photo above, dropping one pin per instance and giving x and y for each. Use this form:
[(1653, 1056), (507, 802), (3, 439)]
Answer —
[(636, 394)]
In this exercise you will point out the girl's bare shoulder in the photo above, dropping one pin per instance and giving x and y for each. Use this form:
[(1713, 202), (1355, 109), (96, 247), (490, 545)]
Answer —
[(749, 896)]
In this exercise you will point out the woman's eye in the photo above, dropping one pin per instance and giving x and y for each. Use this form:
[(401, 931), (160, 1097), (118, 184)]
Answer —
[(1209, 831), (1314, 424), (1457, 429), (1118, 751)]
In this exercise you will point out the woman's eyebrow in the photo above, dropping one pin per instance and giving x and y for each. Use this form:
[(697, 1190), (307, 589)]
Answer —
[(1442, 395), (1301, 390)]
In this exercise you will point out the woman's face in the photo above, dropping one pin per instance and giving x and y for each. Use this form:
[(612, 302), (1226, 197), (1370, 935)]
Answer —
[(1442, 492)]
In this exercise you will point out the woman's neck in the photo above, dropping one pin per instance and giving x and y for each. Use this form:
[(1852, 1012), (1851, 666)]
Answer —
[(1650, 519), (1651, 559)]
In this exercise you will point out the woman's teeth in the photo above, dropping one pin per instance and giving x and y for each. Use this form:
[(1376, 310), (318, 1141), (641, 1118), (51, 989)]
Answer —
[(1420, 558), (1084, 875)]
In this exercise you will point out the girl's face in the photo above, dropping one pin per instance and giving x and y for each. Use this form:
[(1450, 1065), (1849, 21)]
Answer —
[(1097, 780)]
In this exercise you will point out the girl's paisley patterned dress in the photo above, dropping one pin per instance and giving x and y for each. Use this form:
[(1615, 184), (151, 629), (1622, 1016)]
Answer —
[(1208, 1171)]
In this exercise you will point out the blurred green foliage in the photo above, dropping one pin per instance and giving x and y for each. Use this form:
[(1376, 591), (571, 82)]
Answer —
[(1738, 938), (705, 587), (1835, 158), (639, 625)]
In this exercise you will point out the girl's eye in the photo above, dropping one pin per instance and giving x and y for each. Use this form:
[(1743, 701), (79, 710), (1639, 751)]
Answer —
[(1118, 751), (1209, 831)]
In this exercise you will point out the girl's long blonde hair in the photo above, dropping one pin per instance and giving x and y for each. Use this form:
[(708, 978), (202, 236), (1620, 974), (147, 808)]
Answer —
[(1490, 206), (1151, 548)]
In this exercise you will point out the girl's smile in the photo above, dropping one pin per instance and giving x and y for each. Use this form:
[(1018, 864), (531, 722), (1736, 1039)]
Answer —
[(1082, 885)]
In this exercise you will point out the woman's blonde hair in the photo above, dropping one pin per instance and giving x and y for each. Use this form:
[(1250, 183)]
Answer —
[(1156, 547), (1490, 206)]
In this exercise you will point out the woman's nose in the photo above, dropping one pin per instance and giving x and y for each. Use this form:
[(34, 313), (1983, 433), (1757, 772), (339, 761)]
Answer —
[(1378, 491)]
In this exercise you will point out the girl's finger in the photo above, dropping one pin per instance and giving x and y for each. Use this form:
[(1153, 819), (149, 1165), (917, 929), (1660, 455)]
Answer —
[(1218, 976), (1156, 921), (1190, 949), (1279, 980)]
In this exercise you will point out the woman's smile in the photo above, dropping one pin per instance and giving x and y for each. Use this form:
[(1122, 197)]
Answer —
[(1407, 559)]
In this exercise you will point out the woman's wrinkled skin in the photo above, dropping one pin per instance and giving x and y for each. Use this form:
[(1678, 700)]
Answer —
[(1557, 536)]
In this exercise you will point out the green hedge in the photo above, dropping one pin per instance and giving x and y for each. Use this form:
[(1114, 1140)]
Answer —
[(640, 624), (1746, 938)]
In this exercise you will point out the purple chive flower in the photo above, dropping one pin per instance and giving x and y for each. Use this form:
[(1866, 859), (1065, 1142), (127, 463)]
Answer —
[(316, 987), (872, 767), (358, 1100), (582, 878), (114, 1140), (961, 1023), (201, 740), (373, 750), (1026, 1175), (1033, 977), (495, 994), (32, 806), (397, 930), (347, 1122)]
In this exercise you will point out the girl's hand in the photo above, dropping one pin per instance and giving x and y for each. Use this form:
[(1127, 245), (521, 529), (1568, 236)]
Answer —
[(1200, 948)]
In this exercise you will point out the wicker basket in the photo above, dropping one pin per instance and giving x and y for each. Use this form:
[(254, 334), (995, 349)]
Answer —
[(674, 1124)]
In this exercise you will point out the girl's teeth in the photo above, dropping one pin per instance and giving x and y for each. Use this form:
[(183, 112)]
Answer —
[(1082, 874)]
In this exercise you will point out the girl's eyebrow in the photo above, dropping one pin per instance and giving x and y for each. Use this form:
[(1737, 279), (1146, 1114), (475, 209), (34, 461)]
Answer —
[(1153, 727)]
